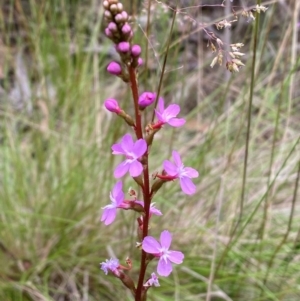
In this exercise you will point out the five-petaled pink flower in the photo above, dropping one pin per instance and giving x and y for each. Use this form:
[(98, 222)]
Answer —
[(184, 174), (133, 151), (110, 211), (169, 114), (161, 249)]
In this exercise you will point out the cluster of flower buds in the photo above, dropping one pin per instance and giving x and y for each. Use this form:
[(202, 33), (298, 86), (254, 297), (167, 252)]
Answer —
[(120, 32)]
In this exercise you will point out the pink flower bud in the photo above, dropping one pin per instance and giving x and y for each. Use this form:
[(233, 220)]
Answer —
[(112, 105), (146, 99), (136, 50), (119, 18), (124, 15), (123, 47), (126, 29), (112, 26), (140, 62), (114, 68), (108, 33)]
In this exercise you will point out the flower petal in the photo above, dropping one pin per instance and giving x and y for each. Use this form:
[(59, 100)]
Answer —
[(151, 245), (159, 116), (187, 185), (161, 105), (176, 158), (135, 169), (121, 169), (139, 148), (165, 239), (164, 267), (176, 122), (172, 110), (176, 257), (191, 172), (117, 189), (170, 168), (127, 143), (117, 149), (109, 216)]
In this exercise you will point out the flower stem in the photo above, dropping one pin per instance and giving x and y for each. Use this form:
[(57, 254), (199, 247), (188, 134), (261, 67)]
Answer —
[(135, 94), (146, 186)]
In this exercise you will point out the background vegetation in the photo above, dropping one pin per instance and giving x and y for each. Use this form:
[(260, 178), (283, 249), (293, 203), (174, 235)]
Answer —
[(239, 232)]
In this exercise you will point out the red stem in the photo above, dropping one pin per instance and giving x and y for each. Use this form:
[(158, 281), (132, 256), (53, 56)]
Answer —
[(146, 187)]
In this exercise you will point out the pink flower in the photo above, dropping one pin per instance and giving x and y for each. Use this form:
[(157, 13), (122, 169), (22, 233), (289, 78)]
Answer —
[(110, 211), (169, 114), (110, 265), (161, 250), (183, 173), (153, 281), (132, 151), (112, 105)]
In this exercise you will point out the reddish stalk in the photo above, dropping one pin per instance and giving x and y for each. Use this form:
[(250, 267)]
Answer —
[(146, 186)]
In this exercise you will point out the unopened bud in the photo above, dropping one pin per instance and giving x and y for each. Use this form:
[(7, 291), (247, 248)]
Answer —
[(126, 29), (108, 33), (112, 26), (112, 105), (113, 8), (120, 7), (136, 50), (119, 18), (108, 15), (106, 4), (123, 47), (146, 99), (124, 15), (114, 68)]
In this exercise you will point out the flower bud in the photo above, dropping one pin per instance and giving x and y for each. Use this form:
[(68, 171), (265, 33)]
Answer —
[(120, 7), (114, 68), (124, 15), (146, 99), (136, 50), (108, 33), (106, 4), (123, 47), (108, 15), (112, 26), (126, 29), (140, 62), (113, 8), (119, 18), (112, 105)]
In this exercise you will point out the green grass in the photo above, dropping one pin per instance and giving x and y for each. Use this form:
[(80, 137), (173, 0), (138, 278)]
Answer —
[(56, 166)]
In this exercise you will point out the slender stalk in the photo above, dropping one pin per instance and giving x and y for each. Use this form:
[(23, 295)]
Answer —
[(135, 94), (146, 186)]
